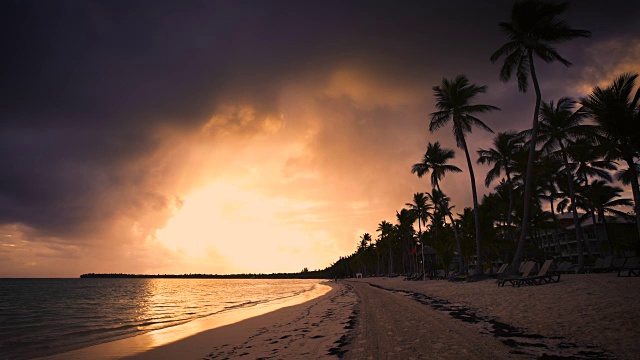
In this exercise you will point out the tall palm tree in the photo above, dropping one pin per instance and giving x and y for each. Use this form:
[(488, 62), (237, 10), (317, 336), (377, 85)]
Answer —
[(616, 112), (404, 226), (442, 209), (454, 103), (502, 156), (363, 246), (559, 126), (550, 171), (420, 208), (386, 228), (435, 161), (533, 30)]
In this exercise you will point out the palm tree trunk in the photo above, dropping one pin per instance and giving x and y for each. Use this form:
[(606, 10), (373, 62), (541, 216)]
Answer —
[(421, 242), (510, 205), (635, 189), (457, 235), (603, 219), (476, 212), (528, 186), (574, 209), (556, 225), (595, 231)]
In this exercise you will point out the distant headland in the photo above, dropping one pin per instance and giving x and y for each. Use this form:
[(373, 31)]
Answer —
[(318, 274)]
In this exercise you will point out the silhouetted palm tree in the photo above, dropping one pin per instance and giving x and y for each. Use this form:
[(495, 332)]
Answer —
[(435, 161), (588, 161), (386, 228), (502, 156), (420, 208), (405, 228), (453, 101), (441, 206), (601, 199), (559, 126), (616, 112), (533, 30), (550, 173), (363, 248)]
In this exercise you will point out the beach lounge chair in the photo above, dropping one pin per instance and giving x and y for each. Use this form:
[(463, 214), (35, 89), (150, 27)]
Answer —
[(601, 265), (500, 271), (543, 276), (526, 269), (631, 267)]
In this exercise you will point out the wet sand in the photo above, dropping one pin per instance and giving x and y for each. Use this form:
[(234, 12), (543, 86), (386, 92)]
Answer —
[(315, 329)]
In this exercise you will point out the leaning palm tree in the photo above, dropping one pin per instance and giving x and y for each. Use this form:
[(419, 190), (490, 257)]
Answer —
[(533, 30), (502, 156), (616, 112), (454, 103), (559, 127), (420, 208)]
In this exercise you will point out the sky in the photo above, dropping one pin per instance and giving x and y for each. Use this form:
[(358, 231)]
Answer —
[(246, 136)]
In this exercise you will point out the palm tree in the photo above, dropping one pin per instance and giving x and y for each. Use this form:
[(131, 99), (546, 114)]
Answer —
[(533, 30), (405, 229), (362, 250), (602, 199), (441, 209), (559, 126), (435, 161), (453, 101), (502, 156), (420, 208), (616, 112), (549, 171), (589, 162), (386, 228)]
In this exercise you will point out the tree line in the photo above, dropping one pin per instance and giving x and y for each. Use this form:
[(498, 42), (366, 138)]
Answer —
[(567, 161)]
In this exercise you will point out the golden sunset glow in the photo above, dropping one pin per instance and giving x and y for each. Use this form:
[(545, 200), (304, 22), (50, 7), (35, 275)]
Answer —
[(243, 230), (245, 140)]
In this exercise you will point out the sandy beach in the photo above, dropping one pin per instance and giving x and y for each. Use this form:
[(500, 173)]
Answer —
[(593, 316), (587, 316)]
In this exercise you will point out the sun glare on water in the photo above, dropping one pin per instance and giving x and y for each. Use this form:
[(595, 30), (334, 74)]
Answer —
[(245, 230)]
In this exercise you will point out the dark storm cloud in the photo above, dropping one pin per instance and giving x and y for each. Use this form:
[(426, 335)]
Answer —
[(86, 84)]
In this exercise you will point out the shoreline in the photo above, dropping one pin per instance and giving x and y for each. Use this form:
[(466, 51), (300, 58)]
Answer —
[(590, 316), (307, 330), (139, 345)]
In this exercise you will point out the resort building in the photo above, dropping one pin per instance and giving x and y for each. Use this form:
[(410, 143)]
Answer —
[(620, 234)]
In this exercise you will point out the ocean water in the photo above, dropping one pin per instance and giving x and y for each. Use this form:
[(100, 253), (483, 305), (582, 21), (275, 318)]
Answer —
[(40, 317)]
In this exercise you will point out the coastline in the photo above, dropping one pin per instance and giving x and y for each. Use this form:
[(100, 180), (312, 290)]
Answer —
[(159, 343), (584, 316)]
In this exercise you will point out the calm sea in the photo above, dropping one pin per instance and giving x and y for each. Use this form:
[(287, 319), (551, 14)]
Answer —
[(41, 317)]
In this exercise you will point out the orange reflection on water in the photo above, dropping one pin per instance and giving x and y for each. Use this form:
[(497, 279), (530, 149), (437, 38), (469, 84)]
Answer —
[(156, 297)]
